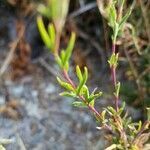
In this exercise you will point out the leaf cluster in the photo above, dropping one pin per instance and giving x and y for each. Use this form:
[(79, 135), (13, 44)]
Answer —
[(49, 38), (81, 91), (113, 61), (55, 10), (63, 59), (128, 135), (115, 21)]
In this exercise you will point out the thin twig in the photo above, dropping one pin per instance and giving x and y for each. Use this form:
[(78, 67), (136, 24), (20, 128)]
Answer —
[(10, 55), (83, 10), (48, 67), (8, 58)]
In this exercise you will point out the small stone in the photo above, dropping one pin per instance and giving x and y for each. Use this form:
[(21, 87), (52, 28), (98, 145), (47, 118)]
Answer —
[(50, 89), (17, 90), (2, 100), (34, 93)]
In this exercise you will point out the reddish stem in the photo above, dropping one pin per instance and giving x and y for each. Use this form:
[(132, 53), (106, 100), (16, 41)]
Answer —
[(113, 73), (65, 73), (114, 78)]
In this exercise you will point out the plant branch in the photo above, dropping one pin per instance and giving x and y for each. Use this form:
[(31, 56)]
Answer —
[(91, 108), (114, 78), (65, 73)]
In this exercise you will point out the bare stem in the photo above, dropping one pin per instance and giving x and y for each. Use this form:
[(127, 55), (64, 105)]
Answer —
[(114, 78)]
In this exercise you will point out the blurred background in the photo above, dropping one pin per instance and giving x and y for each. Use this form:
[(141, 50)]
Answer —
[(31, 111)]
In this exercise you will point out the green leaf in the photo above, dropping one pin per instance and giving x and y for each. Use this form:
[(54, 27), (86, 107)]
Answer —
[(103, 114), (79, 74), (44, 10), (85, 91), (59, 62), (85, 75), (112, 14), (69, 48), (52, 34), (65, 84), (45, 37), (68, 94), (122, 108), (79, 104), (83, 81), (92, 103), (66, 66), (94, 96), (115, 32), (111, 110), (117, 88), (139, 126), (62, 55), (113, 61), (124, 19)]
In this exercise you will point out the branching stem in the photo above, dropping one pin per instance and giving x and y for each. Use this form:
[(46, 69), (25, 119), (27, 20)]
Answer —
[(91, 108), (65, 73)]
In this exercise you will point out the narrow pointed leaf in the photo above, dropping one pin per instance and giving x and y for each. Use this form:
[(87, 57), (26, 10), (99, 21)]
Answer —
[(117, 89), (52, 34), (69, 48), (122, 108), (85, 92), (78, 72), (92, 103), (45, 37), (43, 10), (59, 62), (79, 104), (65, 84), (68, 94), (85, 75), (95, 96), (81, 84), (62, 55), (124, 19)]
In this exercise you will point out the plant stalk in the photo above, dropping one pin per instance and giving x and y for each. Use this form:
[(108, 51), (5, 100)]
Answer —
[(114, 78), (57, 45)]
